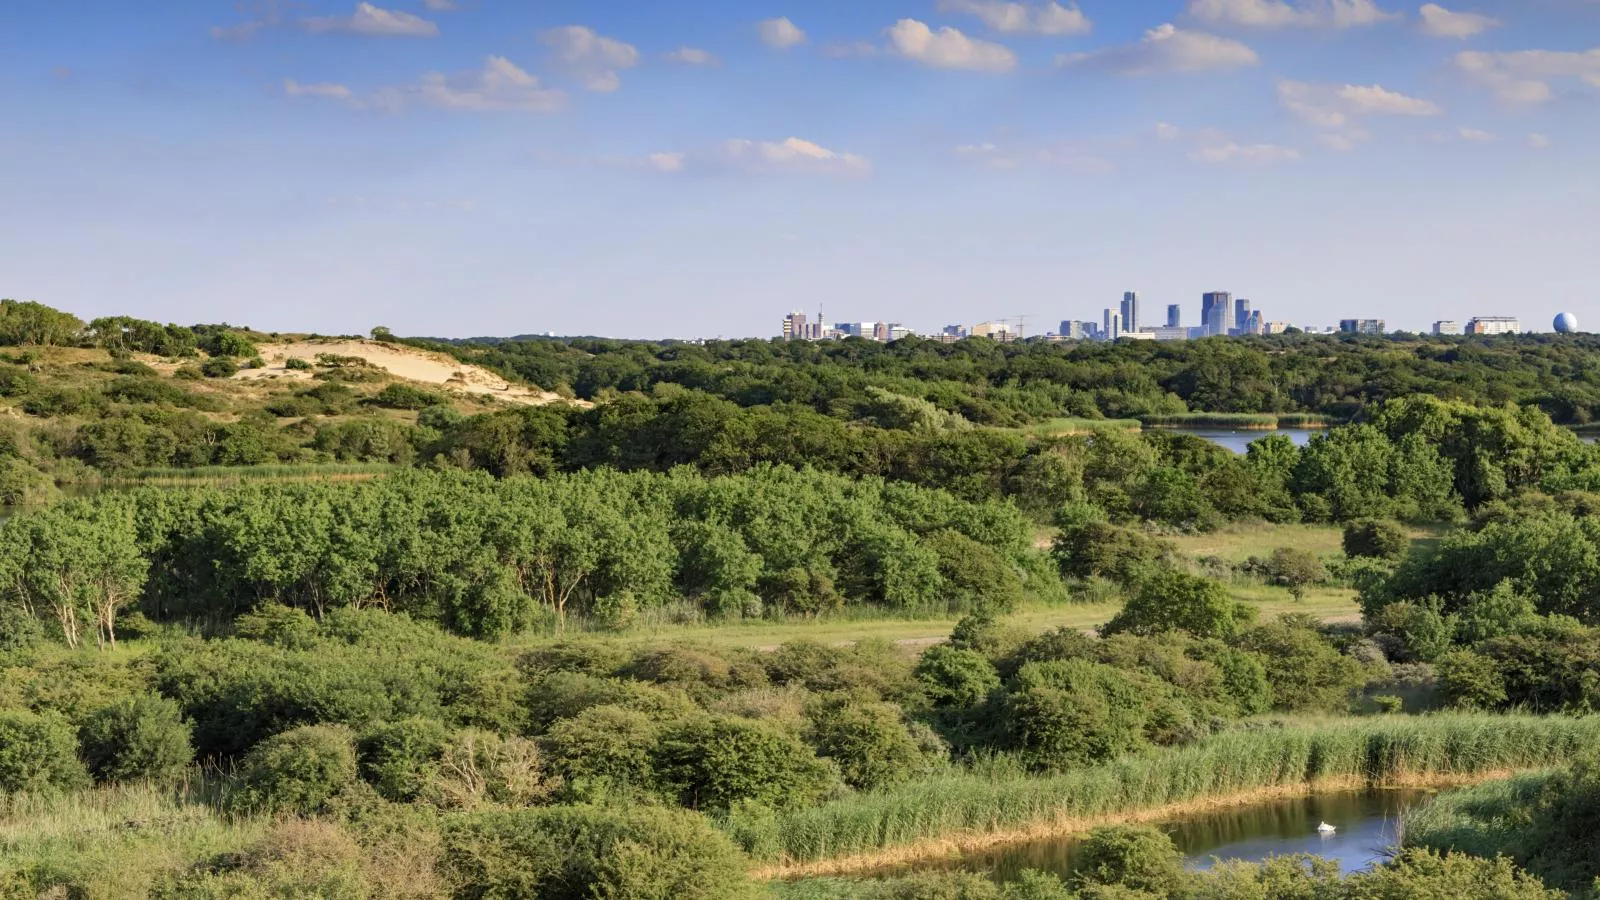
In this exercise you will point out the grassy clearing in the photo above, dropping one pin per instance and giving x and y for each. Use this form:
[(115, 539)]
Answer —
[(960, 811), (1212, 420), (113, 840), (1241, 540), (1328, 604), (221, 475)]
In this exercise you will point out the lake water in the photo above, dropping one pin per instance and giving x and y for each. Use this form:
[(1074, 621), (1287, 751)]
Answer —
[(1366, 823), (1239, 440)]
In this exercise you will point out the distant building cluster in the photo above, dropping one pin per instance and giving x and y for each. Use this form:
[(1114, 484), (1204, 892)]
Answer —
[(1221, 315)]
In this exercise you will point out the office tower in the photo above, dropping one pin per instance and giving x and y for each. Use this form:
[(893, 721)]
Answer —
[(1116, 326), (1214, 311), (1255, 324), (1130, 311), (1174, 316), (1105, 328), (794, 327), (1361, 326), (1241, 315)]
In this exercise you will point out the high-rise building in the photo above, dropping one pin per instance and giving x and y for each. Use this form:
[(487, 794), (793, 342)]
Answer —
[(1106, 333), (1074, 330), (1446, 327), (1361, 326), (794, 327), (1493, 325), (1170, 333), (880, 332), (1116, 326), (1255, 323), (1215, 308), (1130, 311), (1241, 315), (1174, 316)]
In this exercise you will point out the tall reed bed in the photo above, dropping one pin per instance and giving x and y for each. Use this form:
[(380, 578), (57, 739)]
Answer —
[(213, 475), (1262, 421), (1299, 754), (1485, 820)]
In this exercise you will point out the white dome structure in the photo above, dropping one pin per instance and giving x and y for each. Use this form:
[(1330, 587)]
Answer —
[(1567, 323)]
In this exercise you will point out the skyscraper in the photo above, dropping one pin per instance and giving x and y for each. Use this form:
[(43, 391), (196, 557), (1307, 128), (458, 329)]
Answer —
[(1130, 311), (1116, 326), (1241, 315), (1174, 316), (1215, 308), (1105, 328), (794, 327)]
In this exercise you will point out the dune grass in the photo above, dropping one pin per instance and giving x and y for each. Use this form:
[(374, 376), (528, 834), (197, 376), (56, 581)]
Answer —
[(1239, 541), (946, 812), (219, 475)]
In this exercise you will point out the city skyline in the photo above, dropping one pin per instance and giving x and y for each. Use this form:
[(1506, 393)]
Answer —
[(462, 167)]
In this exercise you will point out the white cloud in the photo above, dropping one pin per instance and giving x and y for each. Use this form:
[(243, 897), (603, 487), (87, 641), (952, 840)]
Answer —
[(1167, 49), (1524, 76), (500, 86), (241, 32), (780, 33), (692, 56), (1251, 154), (1333, 106), (1538, 141), (1473, 134), (1281, 14), (1077, 157), (371, 20), (592, 57), (1441, 22), (947, 48), (1050, 19), (793, 156), (323, 90), (1168, 132)]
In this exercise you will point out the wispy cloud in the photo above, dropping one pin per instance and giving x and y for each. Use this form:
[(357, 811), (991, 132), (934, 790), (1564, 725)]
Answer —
[(499, 86), (374, 21), (792, 156), (590, 56), (1525, 76), (692, 56), (1441, 22), (947, 48), (1335, 105), (1049, 19), (1166, 49), (780, 33), (1281, 14)]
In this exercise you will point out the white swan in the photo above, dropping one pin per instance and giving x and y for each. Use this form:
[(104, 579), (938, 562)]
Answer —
[(1325, 828)]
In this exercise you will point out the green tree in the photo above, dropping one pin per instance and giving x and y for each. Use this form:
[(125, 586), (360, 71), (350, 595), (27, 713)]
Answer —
[(1295, 569), (1177, 601), (1376, 539), (713, 762), (296, 772), (38, 753), (868, 741)]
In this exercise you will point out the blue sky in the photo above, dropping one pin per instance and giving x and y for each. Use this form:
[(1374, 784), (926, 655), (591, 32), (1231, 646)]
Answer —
[(668, 169)]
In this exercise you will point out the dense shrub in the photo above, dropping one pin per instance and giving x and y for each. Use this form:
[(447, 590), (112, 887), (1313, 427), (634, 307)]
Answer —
[(1133, 857), (1071, 713), (868, 741), (401, 759), (603, 747), (1376, 539), (405, 396), (141, 738), (482, 768), (297, 772), (956, 677), (581, 853), (1182, 602), (219, 367), (38, 753), (713, 762), (1306, 672)]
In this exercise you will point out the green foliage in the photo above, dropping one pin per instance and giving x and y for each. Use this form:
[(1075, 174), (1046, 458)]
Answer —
[(1376, 539), (956, 677), (1295, 569), (296, 364), (401, 759), (405, 396), (868, 741), (1071, 713), (138, 739), (603, 748), (1138, 858), (26, 322), (219, 367), (1306, 673), (1099, 549), (713, 762), (1179, 601), (38, 753), (577, 853), (297, 772)]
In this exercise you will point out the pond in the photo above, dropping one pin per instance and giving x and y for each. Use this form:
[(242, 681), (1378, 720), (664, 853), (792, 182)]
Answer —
[(1365, 821), (1238, 440)]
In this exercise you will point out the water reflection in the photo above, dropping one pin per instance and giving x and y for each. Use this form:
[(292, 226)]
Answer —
[(1239, 441), (1365, 821)]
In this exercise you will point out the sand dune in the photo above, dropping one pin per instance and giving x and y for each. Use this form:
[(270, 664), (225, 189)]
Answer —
[(409, 363)]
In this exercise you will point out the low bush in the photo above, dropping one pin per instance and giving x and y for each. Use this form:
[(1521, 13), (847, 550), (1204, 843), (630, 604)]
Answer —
[(297, 772), (141, 738), (38, 753), (401, 759), (582, 853), (712, 762), (1376, 539)]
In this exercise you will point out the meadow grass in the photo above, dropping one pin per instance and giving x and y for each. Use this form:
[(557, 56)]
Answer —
[(1068, 425), (112, 841), (215, 475), (1481, 820), (1239, 541), (944, 812), (1246, 421)]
